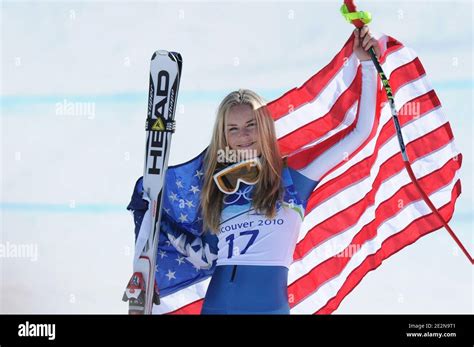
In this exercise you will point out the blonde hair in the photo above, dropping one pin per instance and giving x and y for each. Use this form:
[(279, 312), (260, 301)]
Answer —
[(268, 189)]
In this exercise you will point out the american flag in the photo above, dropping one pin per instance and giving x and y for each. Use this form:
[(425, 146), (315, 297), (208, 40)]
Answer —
[(364, 209)]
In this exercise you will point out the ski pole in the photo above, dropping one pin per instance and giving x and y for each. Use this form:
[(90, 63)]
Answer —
[(359, 18)]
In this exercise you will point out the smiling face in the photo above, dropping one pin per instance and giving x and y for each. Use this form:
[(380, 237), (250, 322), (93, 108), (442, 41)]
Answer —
[(241, 129), (243, 124)]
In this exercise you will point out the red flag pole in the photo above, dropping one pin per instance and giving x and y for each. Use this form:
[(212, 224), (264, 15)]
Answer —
[(357, 19)]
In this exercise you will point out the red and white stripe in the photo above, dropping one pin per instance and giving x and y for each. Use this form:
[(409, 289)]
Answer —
[(365, 208), (186, 301)]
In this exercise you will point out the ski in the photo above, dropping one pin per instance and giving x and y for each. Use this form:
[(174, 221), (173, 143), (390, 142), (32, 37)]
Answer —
[(165, 75)]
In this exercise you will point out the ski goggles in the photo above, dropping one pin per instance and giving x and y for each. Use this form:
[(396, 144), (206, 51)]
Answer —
[(247, 171)]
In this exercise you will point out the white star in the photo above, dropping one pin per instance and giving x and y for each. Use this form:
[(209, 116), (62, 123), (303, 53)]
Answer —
[(170, 275), (189, 203), (199, 173), (179, 184), (162, 254), (167, 210), (194, 189), (180, 260), (168, 243), (173, 196), (183, 218), (156, 268)]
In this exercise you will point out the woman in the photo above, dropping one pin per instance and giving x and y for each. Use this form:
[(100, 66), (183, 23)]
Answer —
[(253, 204)]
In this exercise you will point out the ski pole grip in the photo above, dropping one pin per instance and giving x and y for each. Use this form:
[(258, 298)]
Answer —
[(350, 13)]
